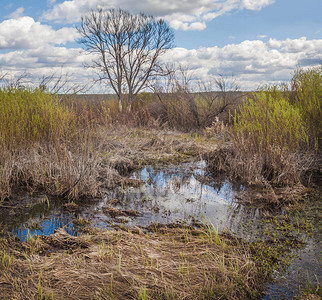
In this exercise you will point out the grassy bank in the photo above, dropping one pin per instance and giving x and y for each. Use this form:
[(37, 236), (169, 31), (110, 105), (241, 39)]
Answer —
[(71, 148), (171, 263)]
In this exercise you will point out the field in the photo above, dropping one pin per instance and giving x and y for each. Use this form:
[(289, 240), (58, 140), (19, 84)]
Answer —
[(173, 196)]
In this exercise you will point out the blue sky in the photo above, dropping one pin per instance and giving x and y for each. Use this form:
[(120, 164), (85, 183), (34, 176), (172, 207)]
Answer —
[(259, 41), (280, 20)]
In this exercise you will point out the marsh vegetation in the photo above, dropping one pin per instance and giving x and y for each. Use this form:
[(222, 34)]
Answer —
[(266, 146)]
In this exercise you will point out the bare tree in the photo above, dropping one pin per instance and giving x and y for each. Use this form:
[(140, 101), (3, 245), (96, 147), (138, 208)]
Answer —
[(228, 86), (128, 48), (3, 76)]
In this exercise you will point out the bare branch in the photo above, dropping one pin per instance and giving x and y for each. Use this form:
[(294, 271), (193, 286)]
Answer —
[(62, 84)]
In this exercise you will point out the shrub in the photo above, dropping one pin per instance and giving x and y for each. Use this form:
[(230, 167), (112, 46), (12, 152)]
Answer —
[(307, 89), (268, 119), (44, 145), (31, 115), (268, 136)]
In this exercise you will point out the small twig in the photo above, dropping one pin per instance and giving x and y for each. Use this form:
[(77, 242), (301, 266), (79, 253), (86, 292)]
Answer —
[(7, 206)]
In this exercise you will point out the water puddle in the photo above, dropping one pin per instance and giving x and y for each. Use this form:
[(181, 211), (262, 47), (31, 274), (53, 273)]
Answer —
[(166, 195), (175, 194), (41, 217)]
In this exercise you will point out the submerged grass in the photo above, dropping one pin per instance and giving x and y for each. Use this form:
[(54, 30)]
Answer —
[(172, 263)]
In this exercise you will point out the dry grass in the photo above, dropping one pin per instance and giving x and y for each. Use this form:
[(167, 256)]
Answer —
[(95, 160), (273, 178), (58, 169), (276, 166), (177, 263), (129, 148)]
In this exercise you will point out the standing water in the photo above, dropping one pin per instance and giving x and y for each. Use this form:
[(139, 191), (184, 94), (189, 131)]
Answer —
[(170, 194)]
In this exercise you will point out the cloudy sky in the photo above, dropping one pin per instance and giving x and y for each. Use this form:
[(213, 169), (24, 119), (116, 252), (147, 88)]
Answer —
[(257, 41)]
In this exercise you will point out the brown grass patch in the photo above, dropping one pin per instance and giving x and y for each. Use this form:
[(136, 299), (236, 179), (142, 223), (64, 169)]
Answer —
[(128, 149), (173, 263), (114, 212)]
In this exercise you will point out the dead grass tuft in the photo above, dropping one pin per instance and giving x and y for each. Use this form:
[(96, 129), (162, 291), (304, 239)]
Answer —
[(58, 170), (94, 161), (114, 212), (277, 173)]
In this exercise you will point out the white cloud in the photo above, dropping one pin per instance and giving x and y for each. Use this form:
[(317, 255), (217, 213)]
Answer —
[(25, 33), (17, 13), (256, 4), (51, 2), (188, 26), (47, 61), (182, 14), (251, 62)]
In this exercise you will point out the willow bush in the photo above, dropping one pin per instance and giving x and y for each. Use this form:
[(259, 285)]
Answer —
[(30, 115), (44, 145), (277, 131), (307, 89), (268, 119)]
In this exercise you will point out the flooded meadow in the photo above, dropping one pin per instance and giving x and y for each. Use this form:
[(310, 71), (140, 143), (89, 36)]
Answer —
[(181, 195)]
